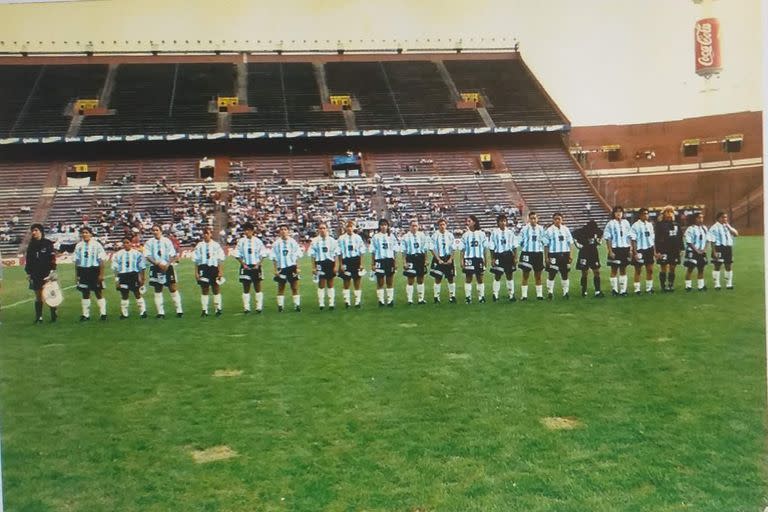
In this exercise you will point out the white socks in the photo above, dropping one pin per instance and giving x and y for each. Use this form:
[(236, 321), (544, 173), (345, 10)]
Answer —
[(648, 285), (468, 290), (716, 278), (729, 278), (297, 300), (380, 295), (176, 297), (281, 300), (259, 301), (480, 290), (496, 287), (623, 284), (614, 284), (420, 291), (204, 300), (160, 303), (700, 283), (142, 304), (331, 296), (217, 302), (246, 301), (539, 290), (511, 287), (436, 290), (452, 289), (347, 294), (85, 305), (566, 286), (409, 292), (102, 306), (321, 297), (124, 307), (524, 290), (390, 295), (550, 286), (687, 283), (358, 297)]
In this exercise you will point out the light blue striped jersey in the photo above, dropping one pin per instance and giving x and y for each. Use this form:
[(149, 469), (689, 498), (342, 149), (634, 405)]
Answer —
[(159, 251), (502, 240), (250, 250), (617, 232), (417, 243), (719, 234), (642, 233), (285, 253), (124, 261), (474, 243), (208, 253), (351, 246), (443, 243), (532, 238), (89, 254), (384, 246), (322, 249), (697, 236), (558, 239)]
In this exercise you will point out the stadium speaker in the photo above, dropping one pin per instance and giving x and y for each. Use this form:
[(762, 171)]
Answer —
[(732, 145)]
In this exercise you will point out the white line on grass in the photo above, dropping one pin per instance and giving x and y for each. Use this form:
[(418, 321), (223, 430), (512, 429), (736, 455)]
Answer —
[(25, 301)]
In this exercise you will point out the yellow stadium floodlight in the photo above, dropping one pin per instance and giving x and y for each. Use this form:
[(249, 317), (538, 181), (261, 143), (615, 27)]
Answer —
[(691, 142), (81, 167), (485, 157), (86, 104), (345, 100)]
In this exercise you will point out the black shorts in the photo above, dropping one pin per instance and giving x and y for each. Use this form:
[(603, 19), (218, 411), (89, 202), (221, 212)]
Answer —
[(621, 258), (723, 254), (668, 257), (531, 261), (558, 262), (694, 259), (415, 265), (350, 268), (128, 281), (207, 275), (253, 275), (473, 266), (159, 278), (644, 257), (325, 269), (587, 259), (447, 270), (503, 263), (88, 279), (36, 282), (384, 267), (287, 275)]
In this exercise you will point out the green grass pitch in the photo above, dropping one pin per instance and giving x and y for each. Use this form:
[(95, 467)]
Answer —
[(428, 408)]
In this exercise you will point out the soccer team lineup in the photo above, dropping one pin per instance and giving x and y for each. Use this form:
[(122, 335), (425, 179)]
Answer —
[(501, 251)]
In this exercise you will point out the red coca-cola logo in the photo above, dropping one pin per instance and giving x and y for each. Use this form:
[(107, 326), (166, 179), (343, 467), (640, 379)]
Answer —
[(704, 38)]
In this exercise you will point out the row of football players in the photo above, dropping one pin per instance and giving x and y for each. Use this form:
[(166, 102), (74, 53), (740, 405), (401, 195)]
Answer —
[(540, 249)]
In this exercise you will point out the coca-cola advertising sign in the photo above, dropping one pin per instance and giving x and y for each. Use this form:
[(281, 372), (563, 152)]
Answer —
[(707, 37)]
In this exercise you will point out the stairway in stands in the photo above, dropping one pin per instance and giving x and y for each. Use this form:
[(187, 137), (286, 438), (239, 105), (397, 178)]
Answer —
[(549, 181)]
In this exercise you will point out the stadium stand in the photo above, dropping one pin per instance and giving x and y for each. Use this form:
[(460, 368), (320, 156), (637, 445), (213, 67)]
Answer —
[(16, 82), (21, 187)]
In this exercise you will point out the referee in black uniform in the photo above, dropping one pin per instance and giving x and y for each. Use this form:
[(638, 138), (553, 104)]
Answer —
[(40, 264)]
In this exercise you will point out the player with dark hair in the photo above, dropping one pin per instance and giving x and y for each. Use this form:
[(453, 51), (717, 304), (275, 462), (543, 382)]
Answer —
[(587, 240), (89, 260), (323, 251), (249, 252), (696, 238), (40, 266), (643, 240), (669, 243), (531, 255), (209, 270), (128, 265), (474, 243), (503, 246), (285, 255), (721, 235), (162, 255), (442, 261), (351, 249), (383, 248), (557, 254), (414, 245), (616, 236)]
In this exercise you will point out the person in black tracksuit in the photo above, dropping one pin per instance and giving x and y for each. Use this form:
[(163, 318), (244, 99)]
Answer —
[(588, 239), (40, 263)]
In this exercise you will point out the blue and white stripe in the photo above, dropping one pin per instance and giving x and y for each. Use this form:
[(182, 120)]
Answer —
[(474, 243), (384, 246), (208, 253), (696, 236), (415, 243), (617, 232), (643, 235), (324, 249), (351, 246), (558, 239), (502, 240), (250, 250), (124, 262), (285, 253), (719, 234), (532, 238), (89, 254), (158, 251), (443, 243)]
